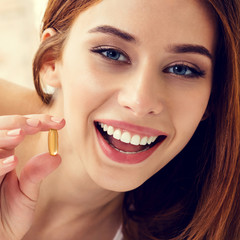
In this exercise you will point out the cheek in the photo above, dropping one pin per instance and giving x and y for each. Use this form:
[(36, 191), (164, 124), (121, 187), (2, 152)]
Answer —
[(83, 89), (85, 92), (189, 108), (86, 81)]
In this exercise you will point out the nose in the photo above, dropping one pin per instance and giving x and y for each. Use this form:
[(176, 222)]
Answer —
[(141, 93)]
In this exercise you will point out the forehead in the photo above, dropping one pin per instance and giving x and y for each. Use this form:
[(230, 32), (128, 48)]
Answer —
[(154, 21)]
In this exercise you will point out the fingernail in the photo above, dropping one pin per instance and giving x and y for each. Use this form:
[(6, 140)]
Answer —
[(14, 132), (8, 160), (56, 119), (32, 122)]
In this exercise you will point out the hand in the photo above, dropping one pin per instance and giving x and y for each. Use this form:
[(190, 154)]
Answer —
[(18, 197)]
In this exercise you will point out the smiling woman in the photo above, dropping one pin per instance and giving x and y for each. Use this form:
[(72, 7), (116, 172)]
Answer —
[(150, 150)]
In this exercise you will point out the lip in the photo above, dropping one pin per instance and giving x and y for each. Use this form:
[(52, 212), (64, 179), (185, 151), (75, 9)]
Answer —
[(126, 158), (134, 129)]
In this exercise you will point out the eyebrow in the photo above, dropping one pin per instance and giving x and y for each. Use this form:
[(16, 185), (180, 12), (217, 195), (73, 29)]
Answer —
[(189, 48), (181, 48), (113, 31)]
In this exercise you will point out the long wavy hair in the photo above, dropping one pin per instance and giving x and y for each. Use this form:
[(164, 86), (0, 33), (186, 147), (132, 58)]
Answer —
[(197, 195)]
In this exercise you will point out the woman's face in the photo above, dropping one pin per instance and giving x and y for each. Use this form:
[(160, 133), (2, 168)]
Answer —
[(142, 70)]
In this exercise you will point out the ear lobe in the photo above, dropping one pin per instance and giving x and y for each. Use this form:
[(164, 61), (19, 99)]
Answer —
[(49, 74)]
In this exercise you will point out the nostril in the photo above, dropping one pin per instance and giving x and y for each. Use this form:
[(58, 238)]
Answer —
[(138, 110), (128, 107)]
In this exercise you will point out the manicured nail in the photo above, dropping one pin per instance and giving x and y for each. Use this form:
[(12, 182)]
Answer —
[(32, 122), (56, 119), (14, 132), (8, 160)]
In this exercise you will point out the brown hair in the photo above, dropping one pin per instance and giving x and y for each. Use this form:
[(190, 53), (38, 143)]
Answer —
[(197, 195)]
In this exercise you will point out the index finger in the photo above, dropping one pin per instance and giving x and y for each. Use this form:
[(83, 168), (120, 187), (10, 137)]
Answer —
[(31, 123), (47, 121)]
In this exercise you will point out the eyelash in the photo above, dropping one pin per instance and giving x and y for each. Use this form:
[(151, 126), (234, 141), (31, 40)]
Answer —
[(195, 72), (101, 50)]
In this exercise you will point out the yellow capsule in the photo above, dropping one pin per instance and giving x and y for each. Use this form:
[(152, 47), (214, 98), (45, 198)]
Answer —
[(53, 142)]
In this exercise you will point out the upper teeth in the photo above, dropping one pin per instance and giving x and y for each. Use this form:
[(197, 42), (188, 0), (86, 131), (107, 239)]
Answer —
[(126, 137)]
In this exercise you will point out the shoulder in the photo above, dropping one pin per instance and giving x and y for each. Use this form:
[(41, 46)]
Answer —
[(16, 99)]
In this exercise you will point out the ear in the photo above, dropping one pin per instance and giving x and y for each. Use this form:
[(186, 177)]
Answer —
[(206, 114), (49, 71), (49, 32)]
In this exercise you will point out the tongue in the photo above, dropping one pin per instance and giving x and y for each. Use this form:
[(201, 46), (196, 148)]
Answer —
[(126, 147)]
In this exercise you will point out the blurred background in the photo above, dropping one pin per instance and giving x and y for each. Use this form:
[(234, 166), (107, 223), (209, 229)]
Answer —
[(20, 22)]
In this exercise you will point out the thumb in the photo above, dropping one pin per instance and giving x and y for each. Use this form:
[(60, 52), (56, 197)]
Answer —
[(35, 171)]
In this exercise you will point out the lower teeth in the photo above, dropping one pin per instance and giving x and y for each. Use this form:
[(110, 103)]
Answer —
[(128, 152)]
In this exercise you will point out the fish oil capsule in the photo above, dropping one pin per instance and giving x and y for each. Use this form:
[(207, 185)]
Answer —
[(53, 142)]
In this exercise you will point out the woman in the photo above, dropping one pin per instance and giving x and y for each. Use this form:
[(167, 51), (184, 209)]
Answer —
[(150, 148)]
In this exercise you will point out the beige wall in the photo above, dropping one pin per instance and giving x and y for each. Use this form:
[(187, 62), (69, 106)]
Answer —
[(19, 38)]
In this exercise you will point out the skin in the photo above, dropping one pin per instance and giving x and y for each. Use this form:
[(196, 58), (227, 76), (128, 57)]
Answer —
[(91, 87)]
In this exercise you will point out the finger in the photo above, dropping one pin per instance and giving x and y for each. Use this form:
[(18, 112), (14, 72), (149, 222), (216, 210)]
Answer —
[(35, 171), (7, 165), (47, 122), (17, 121), (17, 210), (31, 124), (4, 153), (9, 139)]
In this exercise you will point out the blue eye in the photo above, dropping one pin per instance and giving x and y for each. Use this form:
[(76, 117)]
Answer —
[(180, 70), (111, 54), (184, 71)]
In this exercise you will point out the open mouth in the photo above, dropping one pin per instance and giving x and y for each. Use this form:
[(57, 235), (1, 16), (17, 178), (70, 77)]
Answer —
[(126, 142)]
